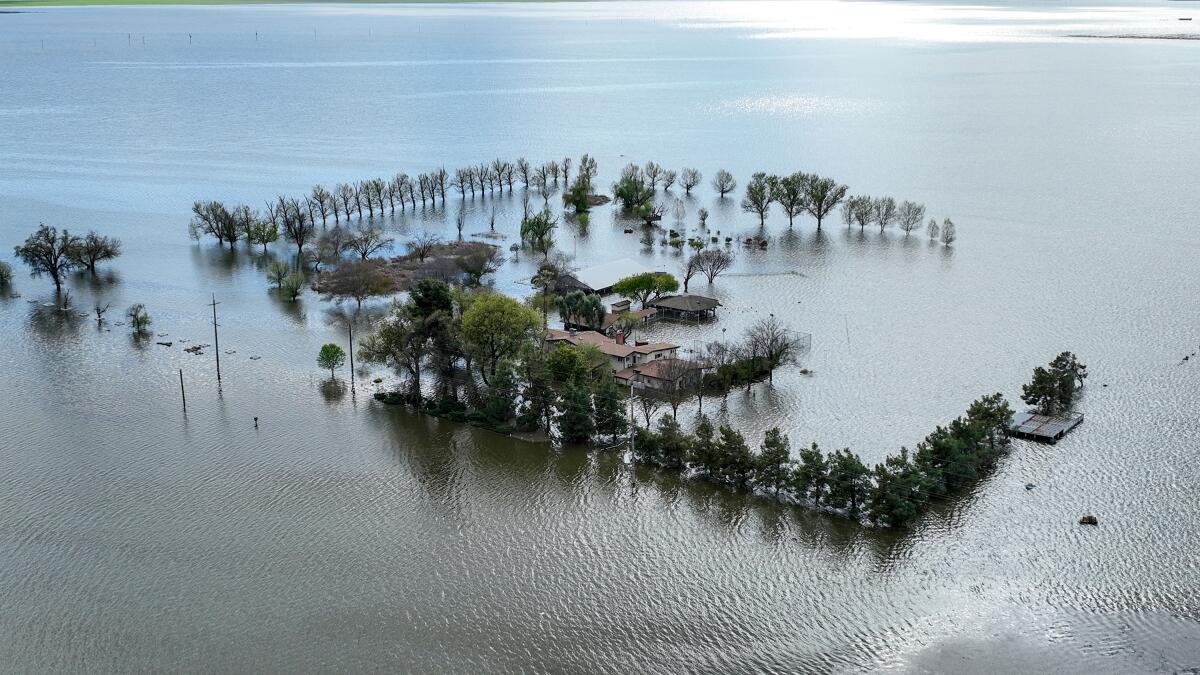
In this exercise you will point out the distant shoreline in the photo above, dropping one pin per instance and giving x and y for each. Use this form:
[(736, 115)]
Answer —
[(5, 4)]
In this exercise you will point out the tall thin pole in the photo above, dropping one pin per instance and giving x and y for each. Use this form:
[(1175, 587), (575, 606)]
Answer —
[(216, 340), (182, 391), (632, 421), (350, 326)]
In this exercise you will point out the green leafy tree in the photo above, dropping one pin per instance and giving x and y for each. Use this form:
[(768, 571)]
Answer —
[(774, 465), (646, 286), (277, 271), (537, 391), (263, 232), (789, 192), (538, 232), (292, 285), (331, 357), (399, 341), (575, 364), (493, 328), (138, 318), (758, 197), (581, 309), (821, 196)]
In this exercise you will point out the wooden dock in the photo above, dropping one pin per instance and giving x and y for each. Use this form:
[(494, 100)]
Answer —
[(1042, 427)]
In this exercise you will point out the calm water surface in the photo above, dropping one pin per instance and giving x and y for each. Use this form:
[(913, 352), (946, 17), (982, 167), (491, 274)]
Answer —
[(341, 535)]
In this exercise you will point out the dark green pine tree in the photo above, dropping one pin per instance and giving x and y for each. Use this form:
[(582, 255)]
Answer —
[(810, 479), (899, 491), (499, 403), (774, 465), (849, 480), (706, 455), (674, 445), (609, 409), (575, 424), (737, 462)]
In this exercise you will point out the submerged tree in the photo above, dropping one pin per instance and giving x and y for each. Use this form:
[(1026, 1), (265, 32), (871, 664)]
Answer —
[(821, 196), (789, 193), (948, 232), (213, 219), (646, 286), (758, 197), (93, 249), (331, 357), (910, 216), (724, 183), (139, 319), (49, 252), (689, 178), (422, 245), (359, 279)]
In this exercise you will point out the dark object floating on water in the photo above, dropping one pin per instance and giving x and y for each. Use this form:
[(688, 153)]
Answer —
[(629, 230), (1029, 486), (165, 344), (195, 349), (1185, 18), (1089, 520), (255, 358), (230, 351), (163, 334)]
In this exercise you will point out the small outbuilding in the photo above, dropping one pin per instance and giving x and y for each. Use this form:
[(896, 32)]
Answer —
[(599, 279), (689, 307)]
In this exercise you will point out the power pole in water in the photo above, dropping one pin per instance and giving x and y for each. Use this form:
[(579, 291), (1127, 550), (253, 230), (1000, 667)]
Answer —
[(216, 340), (182, 392), (632, 421), (350, 326)]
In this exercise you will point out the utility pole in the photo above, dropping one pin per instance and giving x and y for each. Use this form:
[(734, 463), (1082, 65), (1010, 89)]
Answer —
[(182, 392), (350, 327), (216, 341), (632, 421)]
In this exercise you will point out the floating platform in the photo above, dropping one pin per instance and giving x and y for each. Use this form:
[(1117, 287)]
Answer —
[(1042, 427)]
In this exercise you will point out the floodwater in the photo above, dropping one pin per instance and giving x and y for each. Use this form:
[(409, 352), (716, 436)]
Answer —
[(341, 535)]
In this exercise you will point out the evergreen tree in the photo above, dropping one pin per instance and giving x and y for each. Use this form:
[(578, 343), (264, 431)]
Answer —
[(810, 479), (609, 409), (849, 480), (899, 491), (499, 403), (736, 460), (705, 455), (674, 445), (774, 465), (992, 416), (575, 423), (537, 394), (646, 446)]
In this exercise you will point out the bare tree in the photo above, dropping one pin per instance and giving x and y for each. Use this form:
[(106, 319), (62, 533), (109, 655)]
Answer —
[(322, 200), (298, 228), (440, 178), (523, 171), (682, 378), (345, 193), (690, 269), (653, 173), (689, 178), (553, 171), (100, 311), (773, 344), (212, 218), (724, 183), (479, 264), (884, 212), (948, 232), (566, 170), (587, 169), (463, 181), (934, 230), (368, 241), (360, 279), (713, 262), (423, 244), (910, 216), (668, 178), (460, 222), (649, 405), (93, 249)]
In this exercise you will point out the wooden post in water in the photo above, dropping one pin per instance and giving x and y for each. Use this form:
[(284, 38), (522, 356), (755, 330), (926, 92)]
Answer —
[(182, 391), (216, 339)]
